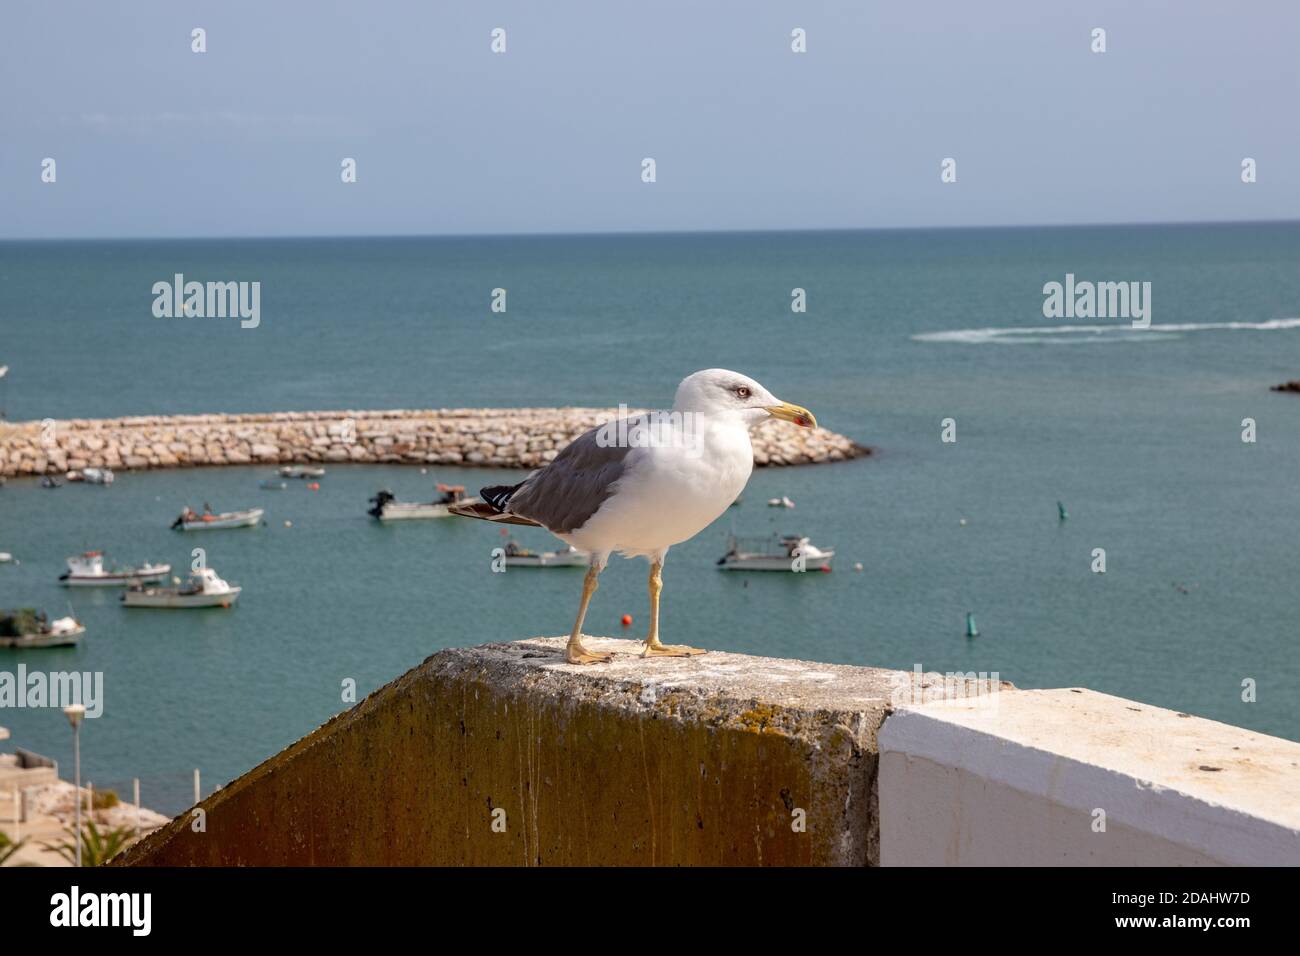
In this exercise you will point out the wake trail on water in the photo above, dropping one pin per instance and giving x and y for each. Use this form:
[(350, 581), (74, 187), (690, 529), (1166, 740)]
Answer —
[(1096, 333)]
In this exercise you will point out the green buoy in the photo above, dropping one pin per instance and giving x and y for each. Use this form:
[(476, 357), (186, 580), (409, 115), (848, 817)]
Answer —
[(971, 629), (1060, 508)]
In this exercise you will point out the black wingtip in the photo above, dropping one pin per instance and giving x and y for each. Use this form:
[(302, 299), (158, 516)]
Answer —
[(497, 495)]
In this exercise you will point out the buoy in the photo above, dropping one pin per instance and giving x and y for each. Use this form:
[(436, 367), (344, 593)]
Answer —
[(288, 524), (314, 486), (627, 620), (825, 569), (971, 629), (962, 522), (1060, 510), (857, 566)]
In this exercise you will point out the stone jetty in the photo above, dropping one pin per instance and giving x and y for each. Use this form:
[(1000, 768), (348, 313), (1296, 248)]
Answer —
[(478, 437)]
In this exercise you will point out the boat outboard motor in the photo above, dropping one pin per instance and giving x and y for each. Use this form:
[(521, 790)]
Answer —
[(379, 500)]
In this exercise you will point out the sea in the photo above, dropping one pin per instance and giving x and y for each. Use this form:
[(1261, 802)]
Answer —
[(908, 338)]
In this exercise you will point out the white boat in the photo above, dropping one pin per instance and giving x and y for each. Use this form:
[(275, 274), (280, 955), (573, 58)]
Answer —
[(774, 553), (204, 589), (87, 570), (782, 502), (517, 557), (5, 557), (191, 521), (98, 476), (29, 628), (302, 471), (388, 508)]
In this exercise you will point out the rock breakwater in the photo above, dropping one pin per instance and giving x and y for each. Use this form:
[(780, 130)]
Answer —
[(479, 437)]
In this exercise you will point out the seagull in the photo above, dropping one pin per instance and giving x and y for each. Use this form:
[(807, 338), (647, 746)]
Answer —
[(641, 484)]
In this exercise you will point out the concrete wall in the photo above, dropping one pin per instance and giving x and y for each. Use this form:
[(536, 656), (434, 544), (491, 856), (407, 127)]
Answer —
[(710, 760), (504, 754), (1031, 777)]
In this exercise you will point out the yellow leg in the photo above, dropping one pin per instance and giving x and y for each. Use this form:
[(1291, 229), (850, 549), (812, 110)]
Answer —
[(652, 646), (575, 653)]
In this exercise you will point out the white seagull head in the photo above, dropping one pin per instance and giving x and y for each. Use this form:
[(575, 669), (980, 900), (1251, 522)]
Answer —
[(720, 393)]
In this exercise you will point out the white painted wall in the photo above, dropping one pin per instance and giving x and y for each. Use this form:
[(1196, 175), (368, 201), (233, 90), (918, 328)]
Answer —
[(1019, 777)]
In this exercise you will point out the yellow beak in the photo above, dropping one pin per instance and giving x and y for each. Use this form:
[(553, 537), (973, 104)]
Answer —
[(793, 413)]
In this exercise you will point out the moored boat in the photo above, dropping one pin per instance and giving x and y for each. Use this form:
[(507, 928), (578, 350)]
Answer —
[(517, 557), (190, 520), (204, 589), (790, 552), (388, 508), (27, 627), (88, 570), (91, 476), (302, 471)]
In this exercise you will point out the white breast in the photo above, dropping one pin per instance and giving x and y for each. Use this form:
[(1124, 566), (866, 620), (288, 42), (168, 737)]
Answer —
[(670, 493)]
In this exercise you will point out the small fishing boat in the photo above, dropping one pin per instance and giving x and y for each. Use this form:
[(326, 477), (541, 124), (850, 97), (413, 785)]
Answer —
[(87, 570), (91, 476), (302, 471), (272, 484), (204, 589), (5, 557), (782, 502), (517, 557), (27, 627), (388, 508), (190, 520), (774, 553)]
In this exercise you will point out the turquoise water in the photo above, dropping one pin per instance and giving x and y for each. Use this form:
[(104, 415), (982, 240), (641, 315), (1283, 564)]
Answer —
[(1138, 434)]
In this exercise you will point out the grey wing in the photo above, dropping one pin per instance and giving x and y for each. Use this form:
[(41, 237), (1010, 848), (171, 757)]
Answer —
[(568, 491)]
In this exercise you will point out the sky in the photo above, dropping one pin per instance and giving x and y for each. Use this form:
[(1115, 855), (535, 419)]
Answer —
[(151, 139)]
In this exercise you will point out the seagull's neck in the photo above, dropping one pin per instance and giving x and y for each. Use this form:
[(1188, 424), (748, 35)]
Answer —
[(722, 432)]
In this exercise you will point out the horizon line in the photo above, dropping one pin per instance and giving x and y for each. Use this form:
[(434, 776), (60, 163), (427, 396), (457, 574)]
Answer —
[(578, 233)]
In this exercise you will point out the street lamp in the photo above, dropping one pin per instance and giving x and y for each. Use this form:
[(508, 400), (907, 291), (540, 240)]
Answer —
[(74, 713)]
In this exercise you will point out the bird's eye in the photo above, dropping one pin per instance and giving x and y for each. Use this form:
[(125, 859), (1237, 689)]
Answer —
[(743, 391)]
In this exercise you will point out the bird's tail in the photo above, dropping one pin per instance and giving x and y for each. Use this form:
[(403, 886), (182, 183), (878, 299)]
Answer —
[(492, 507)]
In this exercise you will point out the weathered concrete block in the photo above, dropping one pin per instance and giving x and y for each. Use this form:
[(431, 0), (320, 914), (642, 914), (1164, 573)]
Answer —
[(721, 759)]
